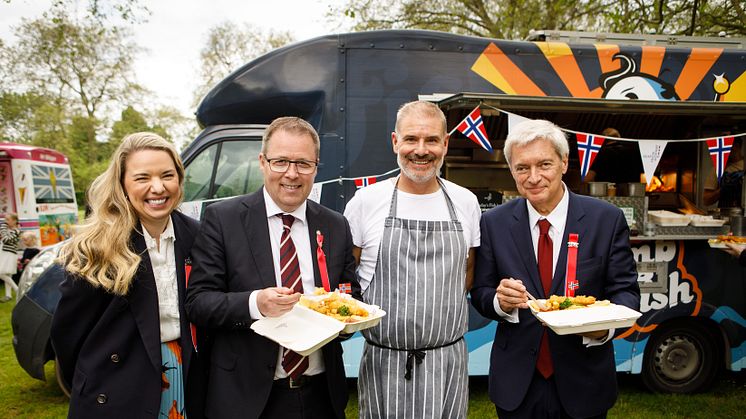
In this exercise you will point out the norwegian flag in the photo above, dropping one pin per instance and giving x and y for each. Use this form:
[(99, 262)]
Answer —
[(473, 127), (719, 151), (588, 147), (345, 288), (362, 182)]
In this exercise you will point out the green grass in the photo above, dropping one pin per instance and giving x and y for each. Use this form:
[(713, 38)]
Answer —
[(20, 395), (24, 397)]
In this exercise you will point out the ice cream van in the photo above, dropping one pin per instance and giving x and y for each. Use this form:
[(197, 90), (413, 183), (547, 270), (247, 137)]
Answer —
[(36, 183)]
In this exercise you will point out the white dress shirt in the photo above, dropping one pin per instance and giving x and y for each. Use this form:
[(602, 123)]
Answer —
[(164, 270), (302, 241)]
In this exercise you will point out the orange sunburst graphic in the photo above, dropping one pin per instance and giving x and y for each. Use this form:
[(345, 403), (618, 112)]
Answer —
[(563, 62), (696, 68), (695, 289), (497, 66)]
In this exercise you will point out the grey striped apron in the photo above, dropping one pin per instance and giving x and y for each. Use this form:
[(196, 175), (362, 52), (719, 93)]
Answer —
[(420, 282)]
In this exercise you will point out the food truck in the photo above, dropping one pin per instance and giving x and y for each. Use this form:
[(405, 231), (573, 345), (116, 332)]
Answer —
[(36, 183), (665, 96)]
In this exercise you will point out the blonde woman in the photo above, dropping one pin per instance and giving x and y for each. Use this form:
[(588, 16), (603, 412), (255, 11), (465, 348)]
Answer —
[(9, 236), (119, 332)]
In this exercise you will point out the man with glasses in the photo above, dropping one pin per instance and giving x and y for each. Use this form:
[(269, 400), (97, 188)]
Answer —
[(535, 373), (255, 255)]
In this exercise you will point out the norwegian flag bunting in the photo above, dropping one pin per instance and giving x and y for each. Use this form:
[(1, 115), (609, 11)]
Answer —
[(588, 147), (473, 127), (719, 151), (362, 182)]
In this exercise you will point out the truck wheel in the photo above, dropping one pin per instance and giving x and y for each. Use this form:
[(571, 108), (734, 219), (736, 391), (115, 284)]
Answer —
[(60, 381), (681, 359)]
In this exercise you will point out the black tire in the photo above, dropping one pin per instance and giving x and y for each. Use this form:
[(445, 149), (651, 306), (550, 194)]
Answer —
[(60, 381), (683, 358)]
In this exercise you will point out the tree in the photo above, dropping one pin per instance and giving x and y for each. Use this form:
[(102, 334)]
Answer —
[(513, 19), (228, 47), (83, 64), (132, 11), (678, 17)]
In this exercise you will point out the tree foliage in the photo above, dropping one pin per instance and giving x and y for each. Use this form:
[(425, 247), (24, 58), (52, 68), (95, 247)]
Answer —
[(228, 47), (513, 19), (62, 78)]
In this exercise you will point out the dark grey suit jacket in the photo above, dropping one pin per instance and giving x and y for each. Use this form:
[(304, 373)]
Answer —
[(585, 376), (232, 257)]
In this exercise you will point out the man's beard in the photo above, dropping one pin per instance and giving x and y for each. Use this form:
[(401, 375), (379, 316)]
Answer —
[(418, 177)]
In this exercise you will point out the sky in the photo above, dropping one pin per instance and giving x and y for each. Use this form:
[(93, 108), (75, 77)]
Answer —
[(177, 29)]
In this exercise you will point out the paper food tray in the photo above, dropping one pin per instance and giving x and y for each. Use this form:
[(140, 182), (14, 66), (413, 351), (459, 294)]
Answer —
[(589, 319), (302, 330), (374, 314), (668, 218), (716, 244), (706, 221)]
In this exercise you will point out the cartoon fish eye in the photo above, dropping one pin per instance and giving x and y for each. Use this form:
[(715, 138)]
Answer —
[(629, 93)]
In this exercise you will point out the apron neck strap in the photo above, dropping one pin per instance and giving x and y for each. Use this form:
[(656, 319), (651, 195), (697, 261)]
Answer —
[(449, 202)]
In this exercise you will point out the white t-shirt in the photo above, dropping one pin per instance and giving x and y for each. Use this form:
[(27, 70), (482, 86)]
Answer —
[(368, 209)]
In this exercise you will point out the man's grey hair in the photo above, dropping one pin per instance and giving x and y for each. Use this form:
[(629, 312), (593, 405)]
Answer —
[(536, 129), (420, 108)]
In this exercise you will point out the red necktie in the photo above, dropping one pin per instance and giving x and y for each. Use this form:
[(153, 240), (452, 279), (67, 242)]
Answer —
[(293, 363), (545, 251)]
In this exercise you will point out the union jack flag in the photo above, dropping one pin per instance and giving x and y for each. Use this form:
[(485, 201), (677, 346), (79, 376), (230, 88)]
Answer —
[(362, 182), (719, 151), (52, 184), (473, 127), (588, 147), (345, 288)]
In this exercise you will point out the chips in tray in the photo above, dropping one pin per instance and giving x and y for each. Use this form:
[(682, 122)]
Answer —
[(556, 302), (336, 305), (591, 315), (354, 317)]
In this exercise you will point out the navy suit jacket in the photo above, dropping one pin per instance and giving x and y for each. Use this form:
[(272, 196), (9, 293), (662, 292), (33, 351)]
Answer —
[(585, 376), (233, 257), (108, 347)]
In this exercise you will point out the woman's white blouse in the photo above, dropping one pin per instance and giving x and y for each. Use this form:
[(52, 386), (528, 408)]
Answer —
[(164, 269)]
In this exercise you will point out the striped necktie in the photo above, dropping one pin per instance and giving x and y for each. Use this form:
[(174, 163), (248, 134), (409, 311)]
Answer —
[(293, 363)]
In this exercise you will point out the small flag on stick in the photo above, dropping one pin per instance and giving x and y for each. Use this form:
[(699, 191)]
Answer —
[(473, 127)]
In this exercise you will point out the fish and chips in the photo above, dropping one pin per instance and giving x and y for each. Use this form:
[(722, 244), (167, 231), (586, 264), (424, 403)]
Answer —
[(346, 310), (557, 302)]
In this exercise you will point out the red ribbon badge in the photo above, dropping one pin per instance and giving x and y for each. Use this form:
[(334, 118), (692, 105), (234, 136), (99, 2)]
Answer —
[(192, 327), (571, 282), (321, 257)]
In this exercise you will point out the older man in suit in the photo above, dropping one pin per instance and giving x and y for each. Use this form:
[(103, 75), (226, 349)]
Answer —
[(535, 373), (254, 256)]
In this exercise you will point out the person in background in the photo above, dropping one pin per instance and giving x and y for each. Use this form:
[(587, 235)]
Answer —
[(120, 332), (414, 238), (617, 162), (28, 239), (254, 257), (9, 236), (535, 373)]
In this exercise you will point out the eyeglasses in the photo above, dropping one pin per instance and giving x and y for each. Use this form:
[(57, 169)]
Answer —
[(303, 167)]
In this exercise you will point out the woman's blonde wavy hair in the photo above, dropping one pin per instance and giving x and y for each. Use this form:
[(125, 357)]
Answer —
[(101, 252)]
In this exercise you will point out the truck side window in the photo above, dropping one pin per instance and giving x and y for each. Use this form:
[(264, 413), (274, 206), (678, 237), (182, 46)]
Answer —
[(238, 169), (198, 174)]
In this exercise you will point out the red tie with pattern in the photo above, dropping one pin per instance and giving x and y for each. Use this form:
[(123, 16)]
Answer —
[(544, 362), (292, 362)]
